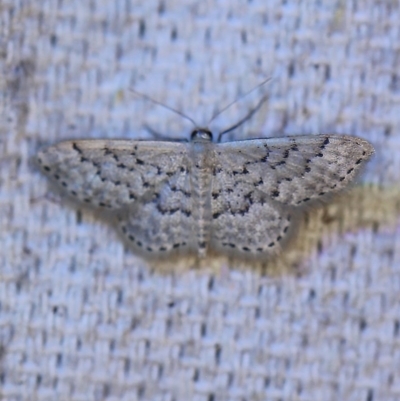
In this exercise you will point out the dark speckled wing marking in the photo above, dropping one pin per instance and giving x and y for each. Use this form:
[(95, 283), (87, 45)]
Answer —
[(258, 184), (246, 221), (144, 184), (162, 221)]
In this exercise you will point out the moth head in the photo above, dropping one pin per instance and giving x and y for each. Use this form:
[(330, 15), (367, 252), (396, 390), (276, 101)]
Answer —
[(201, 135)]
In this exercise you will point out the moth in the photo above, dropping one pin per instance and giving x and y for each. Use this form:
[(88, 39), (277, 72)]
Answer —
[(202, 196)]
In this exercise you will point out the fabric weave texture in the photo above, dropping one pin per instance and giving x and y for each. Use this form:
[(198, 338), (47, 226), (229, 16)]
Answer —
[(83, 318)]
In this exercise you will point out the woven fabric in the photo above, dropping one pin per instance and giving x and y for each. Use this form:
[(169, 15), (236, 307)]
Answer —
[(82, 318)]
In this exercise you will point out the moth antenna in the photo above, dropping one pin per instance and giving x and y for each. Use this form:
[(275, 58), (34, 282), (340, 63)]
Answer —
[(215, 115), (244, 119), (143, 96)]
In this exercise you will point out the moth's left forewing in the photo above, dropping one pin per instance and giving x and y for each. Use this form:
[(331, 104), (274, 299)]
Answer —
[(296, 170)]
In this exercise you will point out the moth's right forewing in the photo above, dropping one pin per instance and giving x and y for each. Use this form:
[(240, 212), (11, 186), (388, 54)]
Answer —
[(111, 174)]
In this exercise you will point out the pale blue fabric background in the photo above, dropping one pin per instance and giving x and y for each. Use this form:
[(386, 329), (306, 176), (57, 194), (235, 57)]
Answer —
[(81, 318)]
